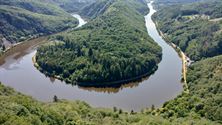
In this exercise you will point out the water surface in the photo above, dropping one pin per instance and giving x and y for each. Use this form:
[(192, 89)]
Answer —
[(81, 21)]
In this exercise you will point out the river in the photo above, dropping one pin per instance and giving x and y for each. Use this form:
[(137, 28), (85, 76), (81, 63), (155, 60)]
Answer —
[(81, 21), (19, 73)]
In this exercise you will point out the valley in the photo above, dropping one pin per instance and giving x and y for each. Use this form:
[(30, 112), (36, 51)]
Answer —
[(99, 97), (122, 62)]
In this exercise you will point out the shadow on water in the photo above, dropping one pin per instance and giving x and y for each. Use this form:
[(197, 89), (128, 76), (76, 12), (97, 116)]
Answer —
[(114, 89)]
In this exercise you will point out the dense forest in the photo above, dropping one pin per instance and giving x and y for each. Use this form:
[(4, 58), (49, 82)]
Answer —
[(97, 8), (165, 3), (114, 47), (70, 5), (24, 19), (195, 28), (17, 109)]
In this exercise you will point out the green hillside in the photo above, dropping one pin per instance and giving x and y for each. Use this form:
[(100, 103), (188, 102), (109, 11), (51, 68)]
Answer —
[(164, 3), (23, 19), (195, 28), (36, 6), (71, 5), (111, 49), (95, 9), (98, 8), (205, 97)]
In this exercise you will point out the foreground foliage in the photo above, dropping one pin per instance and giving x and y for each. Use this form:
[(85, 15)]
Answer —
[(205, 97), (17, 109), (112, 48)]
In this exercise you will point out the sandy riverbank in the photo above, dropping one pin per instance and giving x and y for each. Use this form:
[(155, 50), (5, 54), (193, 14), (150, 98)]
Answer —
[(21, 48), (183, 57)]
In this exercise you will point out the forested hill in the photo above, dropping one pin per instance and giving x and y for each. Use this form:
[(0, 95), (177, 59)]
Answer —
[(165, 3), (112, 47), (98, 8), (195, 28), (95, 9), (71, 5), (23, 19)]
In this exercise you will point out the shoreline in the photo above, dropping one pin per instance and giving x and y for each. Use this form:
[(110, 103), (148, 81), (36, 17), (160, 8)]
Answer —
[(28, 41), (181, 54), (21, 47), (116, 84), (113, 84)]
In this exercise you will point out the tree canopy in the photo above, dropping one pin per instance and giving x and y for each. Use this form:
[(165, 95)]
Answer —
[(195, 28)]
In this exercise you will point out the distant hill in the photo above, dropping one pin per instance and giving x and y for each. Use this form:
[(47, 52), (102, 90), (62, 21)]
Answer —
[(22, 19), (176, 1), (162, 3), (96, 8), (71, 5), (100, 6)]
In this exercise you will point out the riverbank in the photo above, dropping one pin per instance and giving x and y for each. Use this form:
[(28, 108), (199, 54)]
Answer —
[(97, 56), (22, 47), (115, 84), (31, 41), (182, 55)]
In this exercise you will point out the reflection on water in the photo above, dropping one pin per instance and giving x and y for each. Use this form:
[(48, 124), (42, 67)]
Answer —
[(81, 21), (21, 54), (111, 89), (2, 61), (22, 49), (52, 79), (115, 89)]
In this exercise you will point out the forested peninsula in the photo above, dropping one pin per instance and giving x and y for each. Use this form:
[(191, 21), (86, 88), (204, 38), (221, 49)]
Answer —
[(112, 48)]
